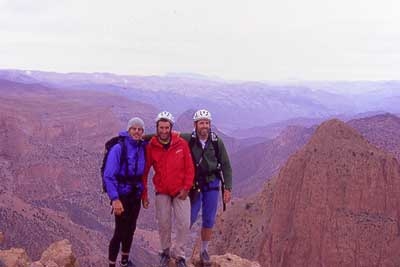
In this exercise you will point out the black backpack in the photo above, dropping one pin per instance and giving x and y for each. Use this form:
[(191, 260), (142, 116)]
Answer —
[(107, 148)]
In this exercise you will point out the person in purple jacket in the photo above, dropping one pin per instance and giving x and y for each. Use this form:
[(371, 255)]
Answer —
[(123, 182)]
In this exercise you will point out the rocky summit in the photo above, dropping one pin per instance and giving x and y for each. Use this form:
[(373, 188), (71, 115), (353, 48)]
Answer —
[(334, 203), (58, 254)]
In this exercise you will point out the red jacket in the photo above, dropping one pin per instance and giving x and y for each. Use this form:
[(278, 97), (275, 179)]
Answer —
[(173, 167)]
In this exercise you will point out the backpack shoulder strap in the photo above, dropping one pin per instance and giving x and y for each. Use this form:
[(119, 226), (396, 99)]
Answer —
[(214, 141), (192, 143), (192, 140)]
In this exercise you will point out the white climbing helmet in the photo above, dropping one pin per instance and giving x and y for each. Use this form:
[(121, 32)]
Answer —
[(202, 114), (166, 116)]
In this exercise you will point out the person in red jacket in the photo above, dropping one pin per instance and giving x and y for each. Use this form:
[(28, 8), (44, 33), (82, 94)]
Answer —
[(170, 157)]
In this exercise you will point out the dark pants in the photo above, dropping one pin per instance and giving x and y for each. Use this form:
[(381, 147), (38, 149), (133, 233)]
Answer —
[(125, 225)]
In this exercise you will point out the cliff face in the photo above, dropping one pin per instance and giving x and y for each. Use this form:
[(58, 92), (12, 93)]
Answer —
[(256, 164), (334, 203)]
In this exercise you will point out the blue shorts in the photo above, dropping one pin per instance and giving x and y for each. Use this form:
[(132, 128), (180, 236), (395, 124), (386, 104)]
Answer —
[(208, 201)]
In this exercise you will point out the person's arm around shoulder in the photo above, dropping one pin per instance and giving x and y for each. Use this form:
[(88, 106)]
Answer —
[(186, 136), (147, 137)]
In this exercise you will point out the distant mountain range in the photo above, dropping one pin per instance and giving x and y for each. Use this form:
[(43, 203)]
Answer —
[(235, 105)]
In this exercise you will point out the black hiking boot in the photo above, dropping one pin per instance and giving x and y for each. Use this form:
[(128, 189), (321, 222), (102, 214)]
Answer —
[(181, 262), (205, 259), (164, 259), (127, 264)]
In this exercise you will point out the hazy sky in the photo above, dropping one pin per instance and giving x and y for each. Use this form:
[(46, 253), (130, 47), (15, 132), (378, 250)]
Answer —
[(247, 40)]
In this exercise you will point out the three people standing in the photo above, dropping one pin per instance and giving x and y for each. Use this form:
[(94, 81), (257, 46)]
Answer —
[(196, 162)]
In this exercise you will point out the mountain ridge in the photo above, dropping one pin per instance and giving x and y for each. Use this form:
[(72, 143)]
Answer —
[(334, 203)]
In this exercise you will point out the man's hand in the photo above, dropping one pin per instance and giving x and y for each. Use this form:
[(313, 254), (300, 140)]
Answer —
[(183, 194), (227, 196), (117, 206), (145, 203)]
